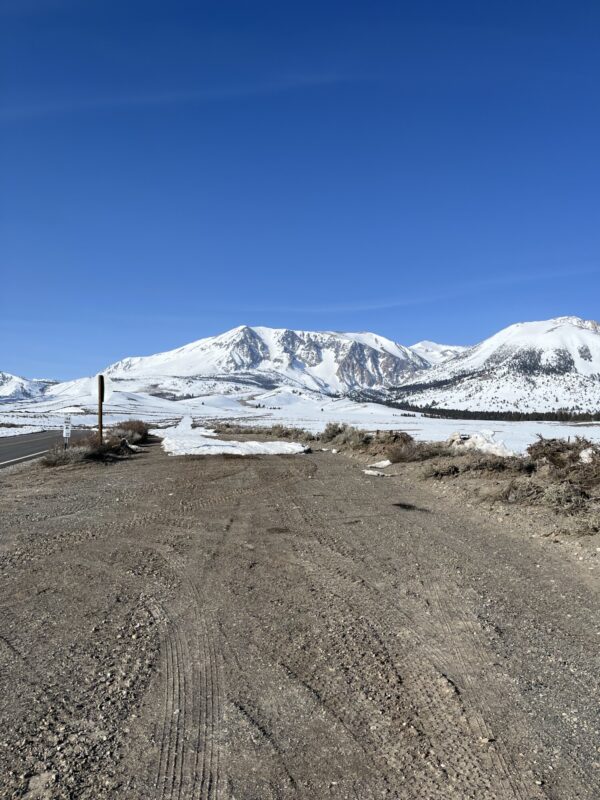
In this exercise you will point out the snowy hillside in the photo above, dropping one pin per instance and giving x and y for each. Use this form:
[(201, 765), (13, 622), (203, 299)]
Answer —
[(12, 387), (326, 362), (435, 353), (530, 366)]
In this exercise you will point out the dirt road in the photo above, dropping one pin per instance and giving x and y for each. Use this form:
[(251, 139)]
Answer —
[(285, 627)]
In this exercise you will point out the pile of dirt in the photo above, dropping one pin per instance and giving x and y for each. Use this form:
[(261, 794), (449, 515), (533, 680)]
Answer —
[(577, 461), (559, 474)]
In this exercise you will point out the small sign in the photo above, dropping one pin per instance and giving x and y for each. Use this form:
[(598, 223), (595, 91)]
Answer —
[(67, 428)]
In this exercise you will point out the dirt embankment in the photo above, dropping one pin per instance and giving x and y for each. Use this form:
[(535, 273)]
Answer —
[(288, 627)]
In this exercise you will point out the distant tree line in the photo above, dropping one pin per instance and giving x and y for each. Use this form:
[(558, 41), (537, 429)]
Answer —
[(562, 415)]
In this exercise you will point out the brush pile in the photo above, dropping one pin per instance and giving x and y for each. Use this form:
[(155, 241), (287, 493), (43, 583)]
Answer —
[(563, 475)]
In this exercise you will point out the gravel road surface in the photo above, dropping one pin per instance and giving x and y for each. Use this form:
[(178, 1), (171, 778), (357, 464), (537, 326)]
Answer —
[(286, 627)]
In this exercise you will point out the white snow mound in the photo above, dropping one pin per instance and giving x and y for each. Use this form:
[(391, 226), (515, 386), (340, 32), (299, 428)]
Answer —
[(484, 442), (588, 455), (183, 440)]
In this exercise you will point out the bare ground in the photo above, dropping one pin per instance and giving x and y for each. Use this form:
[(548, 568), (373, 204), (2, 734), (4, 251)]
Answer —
[(287, 627)]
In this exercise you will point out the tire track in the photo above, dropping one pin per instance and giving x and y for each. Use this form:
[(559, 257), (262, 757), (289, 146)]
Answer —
[(205, 762), (185, 761), (418, 625), (195, 770), (481, 697), (199, 765)]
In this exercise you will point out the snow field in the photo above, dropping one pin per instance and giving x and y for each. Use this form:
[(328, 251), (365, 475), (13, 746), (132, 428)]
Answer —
[(286, 406)]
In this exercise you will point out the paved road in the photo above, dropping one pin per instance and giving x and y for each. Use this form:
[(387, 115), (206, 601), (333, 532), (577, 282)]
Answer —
[(14, 449)]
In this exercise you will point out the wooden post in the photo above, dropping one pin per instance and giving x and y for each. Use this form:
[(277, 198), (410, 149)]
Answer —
[(100, 401)]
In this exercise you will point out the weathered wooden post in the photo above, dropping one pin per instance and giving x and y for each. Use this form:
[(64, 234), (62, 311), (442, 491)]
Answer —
[(100, 401)]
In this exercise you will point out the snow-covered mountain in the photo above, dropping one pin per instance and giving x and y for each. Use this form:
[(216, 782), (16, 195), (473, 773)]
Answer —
[(332, 363), (13, 387), (530, 366), (435, 353)]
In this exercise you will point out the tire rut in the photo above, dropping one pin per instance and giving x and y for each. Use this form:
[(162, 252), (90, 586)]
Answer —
[(434, 709), (189, 761)]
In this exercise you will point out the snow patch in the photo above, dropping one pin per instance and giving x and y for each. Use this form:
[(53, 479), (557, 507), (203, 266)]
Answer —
[(484, 442), (20, 430), (375, 473), (381, 464), (182, 440), (587, 456)]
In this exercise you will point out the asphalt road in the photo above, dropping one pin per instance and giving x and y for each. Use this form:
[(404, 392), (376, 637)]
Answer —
[(14, 449)]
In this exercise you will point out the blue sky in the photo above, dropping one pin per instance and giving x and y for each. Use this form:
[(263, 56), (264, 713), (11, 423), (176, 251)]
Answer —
[(171, 170)]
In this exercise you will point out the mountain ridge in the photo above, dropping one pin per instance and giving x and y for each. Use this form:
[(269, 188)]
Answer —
[(436, 353), (528, 366), (539, 366), (324, 361), (15, 387)]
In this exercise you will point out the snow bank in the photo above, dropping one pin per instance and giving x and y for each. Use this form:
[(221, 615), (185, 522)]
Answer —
[(21, 429), (184, 440), (484, 442)]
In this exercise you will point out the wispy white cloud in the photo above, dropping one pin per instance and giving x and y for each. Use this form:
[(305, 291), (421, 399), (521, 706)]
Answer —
[(460, 290), (169, 98)]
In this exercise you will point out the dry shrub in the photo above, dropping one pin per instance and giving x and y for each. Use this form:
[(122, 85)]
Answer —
[(527, 482), (284, 432), (560, 454), (97, 449), (566, 497), (335, 434), (561, 461), (558, 451), (406, 449), (478, 463), (441, 471), (90, 449), (110, 450), (59, 457), (346, 437), (587, 475), (352, 438), (472, 461), (136, 431), (332, 430), (518, 490), (276, 431)]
